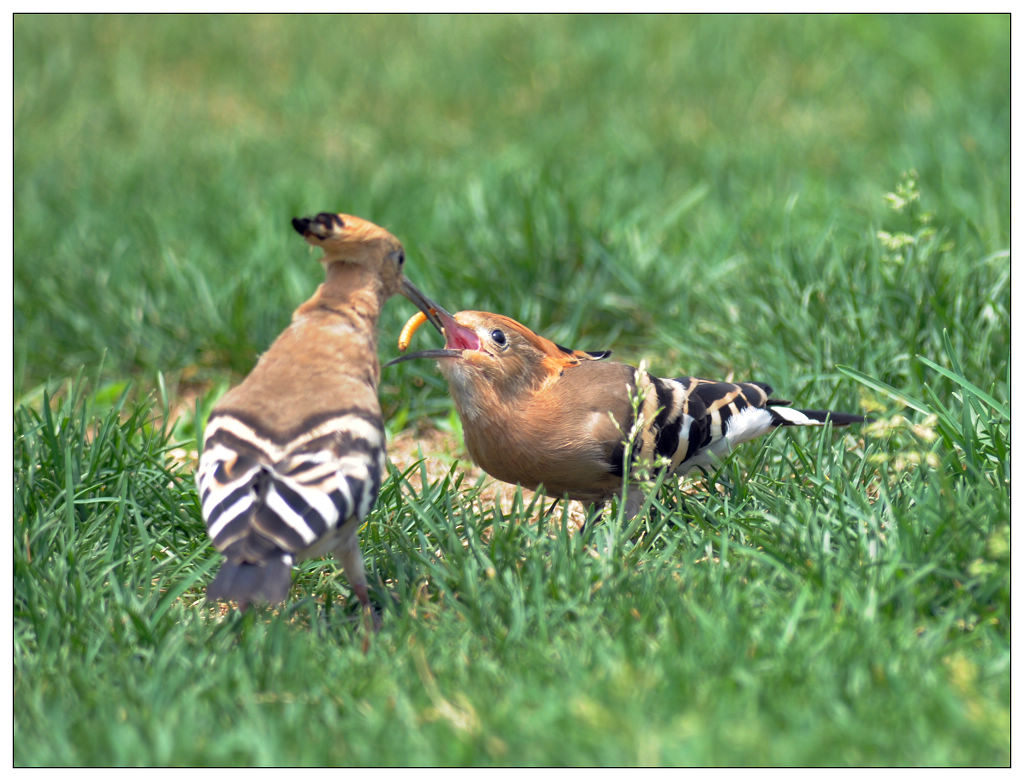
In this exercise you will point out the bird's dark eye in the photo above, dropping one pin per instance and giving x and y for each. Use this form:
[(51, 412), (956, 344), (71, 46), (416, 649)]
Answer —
[(499, 337), (401, 257)]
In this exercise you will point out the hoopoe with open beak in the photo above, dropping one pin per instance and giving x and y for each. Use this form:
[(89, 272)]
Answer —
[(293, 456), (542, 415)]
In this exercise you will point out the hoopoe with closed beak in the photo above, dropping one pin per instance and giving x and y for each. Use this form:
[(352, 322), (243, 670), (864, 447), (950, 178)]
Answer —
[(293, 456), (546, 416)]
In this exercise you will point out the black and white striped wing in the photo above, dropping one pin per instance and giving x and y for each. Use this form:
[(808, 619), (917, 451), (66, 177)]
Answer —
[(264, 495), (700, 421)]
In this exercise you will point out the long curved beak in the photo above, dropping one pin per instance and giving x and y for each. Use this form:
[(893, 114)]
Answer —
[(457, 338), (439, 353), (424, 304)]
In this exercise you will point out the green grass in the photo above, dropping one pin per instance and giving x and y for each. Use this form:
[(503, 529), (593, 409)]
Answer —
[(708, 194)]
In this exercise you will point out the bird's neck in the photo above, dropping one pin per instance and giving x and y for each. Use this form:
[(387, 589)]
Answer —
[(480, 394), (349, 289)]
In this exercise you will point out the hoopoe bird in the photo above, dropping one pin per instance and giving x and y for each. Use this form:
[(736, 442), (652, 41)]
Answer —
[(551, 418), (293, 456)]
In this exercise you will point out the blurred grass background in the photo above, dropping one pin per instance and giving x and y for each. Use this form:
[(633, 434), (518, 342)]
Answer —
[(615, 180), (703, 192)]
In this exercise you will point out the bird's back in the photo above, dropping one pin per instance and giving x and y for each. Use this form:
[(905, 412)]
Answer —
[(297, 449)]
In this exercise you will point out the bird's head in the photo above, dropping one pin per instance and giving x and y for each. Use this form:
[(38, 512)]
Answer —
[(349, 241), (485, 352)]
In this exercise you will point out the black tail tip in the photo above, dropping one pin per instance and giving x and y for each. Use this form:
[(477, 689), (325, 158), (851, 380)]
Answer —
[(845, 418), (835, 418), (246, 582), (823, 416)]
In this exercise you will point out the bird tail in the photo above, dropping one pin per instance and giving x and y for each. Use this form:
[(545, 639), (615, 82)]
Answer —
[(247, 582), (788, 416)]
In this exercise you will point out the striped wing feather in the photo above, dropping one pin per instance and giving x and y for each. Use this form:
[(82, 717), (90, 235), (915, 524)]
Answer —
[(698, 421), (270, 501)]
